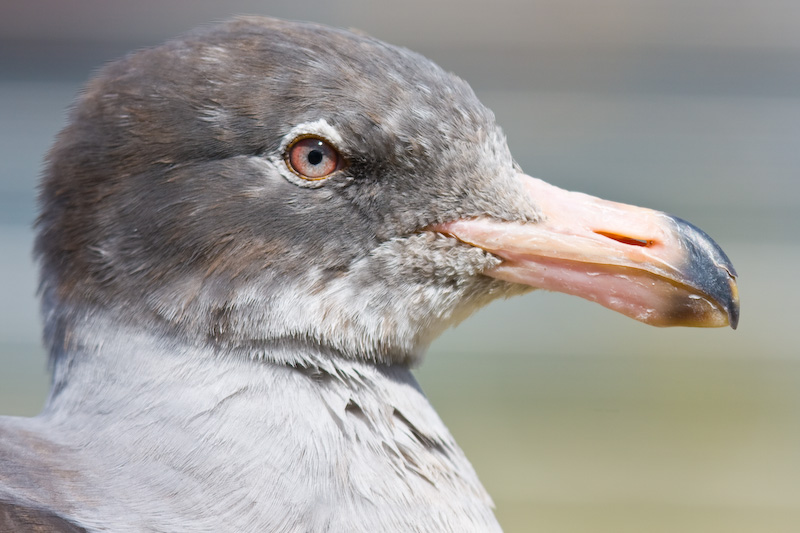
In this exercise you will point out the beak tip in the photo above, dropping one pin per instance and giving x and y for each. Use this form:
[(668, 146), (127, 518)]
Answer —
[(733, 308), (733, 318), (709, 269)]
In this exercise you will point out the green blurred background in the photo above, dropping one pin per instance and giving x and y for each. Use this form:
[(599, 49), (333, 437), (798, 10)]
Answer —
[(577, 419)]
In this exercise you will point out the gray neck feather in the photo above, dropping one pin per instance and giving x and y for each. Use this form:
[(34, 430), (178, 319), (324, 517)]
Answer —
[(237, 444)]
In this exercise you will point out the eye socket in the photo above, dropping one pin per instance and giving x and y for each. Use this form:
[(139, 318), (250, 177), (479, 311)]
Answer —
[(313, 158)]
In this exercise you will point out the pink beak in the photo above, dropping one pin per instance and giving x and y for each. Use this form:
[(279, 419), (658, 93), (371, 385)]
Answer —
[(645, 264)]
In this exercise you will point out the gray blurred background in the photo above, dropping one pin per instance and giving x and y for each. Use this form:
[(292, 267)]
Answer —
[(577, 419)]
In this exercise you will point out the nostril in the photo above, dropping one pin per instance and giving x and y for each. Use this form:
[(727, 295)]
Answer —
[(624, 240)]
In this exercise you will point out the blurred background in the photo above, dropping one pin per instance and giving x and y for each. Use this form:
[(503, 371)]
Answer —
[(576, 419)]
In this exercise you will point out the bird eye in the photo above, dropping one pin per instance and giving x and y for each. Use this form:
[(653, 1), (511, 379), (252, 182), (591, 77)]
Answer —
[(313, 158)]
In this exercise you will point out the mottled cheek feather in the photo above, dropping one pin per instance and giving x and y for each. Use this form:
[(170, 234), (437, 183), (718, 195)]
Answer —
[(216, 55)]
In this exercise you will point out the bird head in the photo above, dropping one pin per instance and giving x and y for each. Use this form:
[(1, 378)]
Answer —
[(263, 185)]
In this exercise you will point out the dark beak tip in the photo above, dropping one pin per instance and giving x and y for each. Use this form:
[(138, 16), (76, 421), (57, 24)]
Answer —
[(733, 317), (711, 268), (733, 308), (733, 298)]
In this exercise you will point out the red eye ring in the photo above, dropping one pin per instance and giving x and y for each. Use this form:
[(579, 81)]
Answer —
[(312, 158)]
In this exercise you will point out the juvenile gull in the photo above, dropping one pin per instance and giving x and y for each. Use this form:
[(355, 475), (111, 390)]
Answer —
[(247, 237)]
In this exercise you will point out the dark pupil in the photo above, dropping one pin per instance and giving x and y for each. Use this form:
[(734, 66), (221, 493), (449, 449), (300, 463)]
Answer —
[(315, 157)]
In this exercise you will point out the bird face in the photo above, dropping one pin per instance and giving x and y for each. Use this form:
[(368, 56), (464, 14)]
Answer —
[(264, 186)]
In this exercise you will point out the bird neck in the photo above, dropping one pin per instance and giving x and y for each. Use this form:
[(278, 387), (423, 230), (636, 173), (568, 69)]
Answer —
[(102, 365), (278, 436)]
